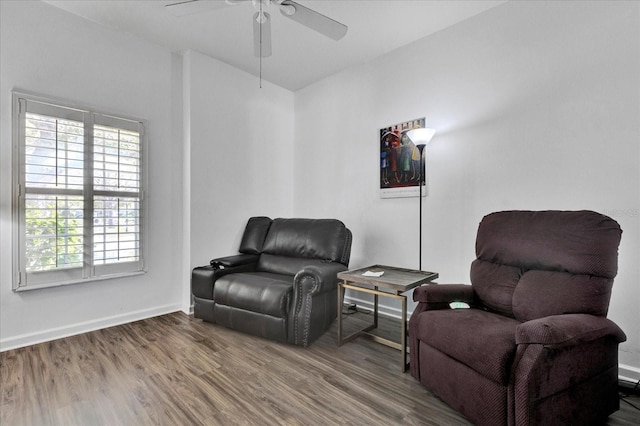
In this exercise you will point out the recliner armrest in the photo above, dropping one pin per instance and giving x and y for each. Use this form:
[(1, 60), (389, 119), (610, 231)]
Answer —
[(203, 277), (324, 277), (313, 307), (438, 296), (567, 330), (236, 260)]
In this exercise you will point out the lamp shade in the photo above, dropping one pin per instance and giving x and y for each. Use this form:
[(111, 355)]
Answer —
[(421, 136)]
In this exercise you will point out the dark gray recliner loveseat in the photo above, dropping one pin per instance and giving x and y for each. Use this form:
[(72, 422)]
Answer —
[(283, 284)]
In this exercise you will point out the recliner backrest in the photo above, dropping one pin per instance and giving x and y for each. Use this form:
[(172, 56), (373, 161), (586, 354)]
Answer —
[(255, 234), (324, 239), (531, 264)]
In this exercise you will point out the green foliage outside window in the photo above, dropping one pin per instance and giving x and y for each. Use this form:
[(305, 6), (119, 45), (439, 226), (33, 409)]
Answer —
[(54, 233)]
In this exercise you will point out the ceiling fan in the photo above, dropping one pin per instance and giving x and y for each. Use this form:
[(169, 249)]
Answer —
[(262, 19)]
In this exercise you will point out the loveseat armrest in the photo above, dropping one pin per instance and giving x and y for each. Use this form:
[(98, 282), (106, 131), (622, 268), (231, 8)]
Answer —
[(203, 277), (559, 331), (438, 296), (233, 261), (314, 307), (322, 277)]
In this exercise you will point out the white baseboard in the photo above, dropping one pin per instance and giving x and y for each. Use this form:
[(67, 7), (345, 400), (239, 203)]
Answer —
[(83, 327), (627, 373)]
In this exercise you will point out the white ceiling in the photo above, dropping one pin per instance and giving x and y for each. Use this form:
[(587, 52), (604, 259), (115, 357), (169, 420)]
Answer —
[(300, 56)]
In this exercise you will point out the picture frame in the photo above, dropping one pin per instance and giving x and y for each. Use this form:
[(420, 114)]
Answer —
[(400, 161)]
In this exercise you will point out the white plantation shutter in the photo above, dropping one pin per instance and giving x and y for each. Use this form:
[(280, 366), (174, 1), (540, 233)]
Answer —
[(117, 193), (79, 195)]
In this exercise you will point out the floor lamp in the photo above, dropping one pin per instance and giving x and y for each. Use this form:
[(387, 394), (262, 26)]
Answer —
[(420, 138)]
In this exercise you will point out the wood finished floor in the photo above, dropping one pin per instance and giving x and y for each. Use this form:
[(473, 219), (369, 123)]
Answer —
[(176, 370)]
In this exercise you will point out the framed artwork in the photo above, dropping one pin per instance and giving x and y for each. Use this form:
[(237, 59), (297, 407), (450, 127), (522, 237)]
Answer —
[(400, 162)]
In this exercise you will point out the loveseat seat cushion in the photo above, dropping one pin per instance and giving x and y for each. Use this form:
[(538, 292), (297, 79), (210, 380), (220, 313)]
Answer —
[(464, 335), (261, 292)]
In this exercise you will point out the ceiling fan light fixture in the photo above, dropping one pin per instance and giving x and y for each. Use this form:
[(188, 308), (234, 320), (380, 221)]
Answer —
[(262, 35), (261, 17), (288, 9), (260, 4)]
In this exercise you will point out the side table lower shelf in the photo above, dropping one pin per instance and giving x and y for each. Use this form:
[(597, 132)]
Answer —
[(397, 280)]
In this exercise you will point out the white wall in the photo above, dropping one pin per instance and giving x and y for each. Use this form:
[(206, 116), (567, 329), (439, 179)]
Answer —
[(220, 151), (240, 140), (53, 53), (536, 106)]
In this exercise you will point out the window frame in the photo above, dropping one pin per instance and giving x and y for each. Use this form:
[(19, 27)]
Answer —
[(90, 271)]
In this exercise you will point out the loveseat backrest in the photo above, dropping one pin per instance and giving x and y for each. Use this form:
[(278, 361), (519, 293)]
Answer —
[(533, 264), (255, 234), (324, 239)]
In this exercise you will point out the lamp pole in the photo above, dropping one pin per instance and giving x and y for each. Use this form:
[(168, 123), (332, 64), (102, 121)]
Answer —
[(420, 138), (420, 180)]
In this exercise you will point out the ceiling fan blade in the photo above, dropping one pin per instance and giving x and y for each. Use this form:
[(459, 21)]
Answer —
[(314, 20), (262, 35), (191, 7)]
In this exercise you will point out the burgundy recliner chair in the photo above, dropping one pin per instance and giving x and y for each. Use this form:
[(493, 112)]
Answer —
[(535, 348)]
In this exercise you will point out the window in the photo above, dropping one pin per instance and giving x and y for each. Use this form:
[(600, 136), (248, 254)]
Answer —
[(78, 194)]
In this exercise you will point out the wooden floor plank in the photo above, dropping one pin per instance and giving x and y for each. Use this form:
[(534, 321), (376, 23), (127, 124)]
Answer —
[(174, 369)]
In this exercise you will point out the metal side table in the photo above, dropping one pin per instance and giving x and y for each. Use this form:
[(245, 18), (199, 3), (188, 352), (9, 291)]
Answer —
[(396, 281)]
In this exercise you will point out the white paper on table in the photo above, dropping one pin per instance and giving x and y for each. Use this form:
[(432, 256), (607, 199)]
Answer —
[(372, 274)]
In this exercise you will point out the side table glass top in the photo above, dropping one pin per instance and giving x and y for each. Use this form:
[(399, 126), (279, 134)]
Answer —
[(394, 278)]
